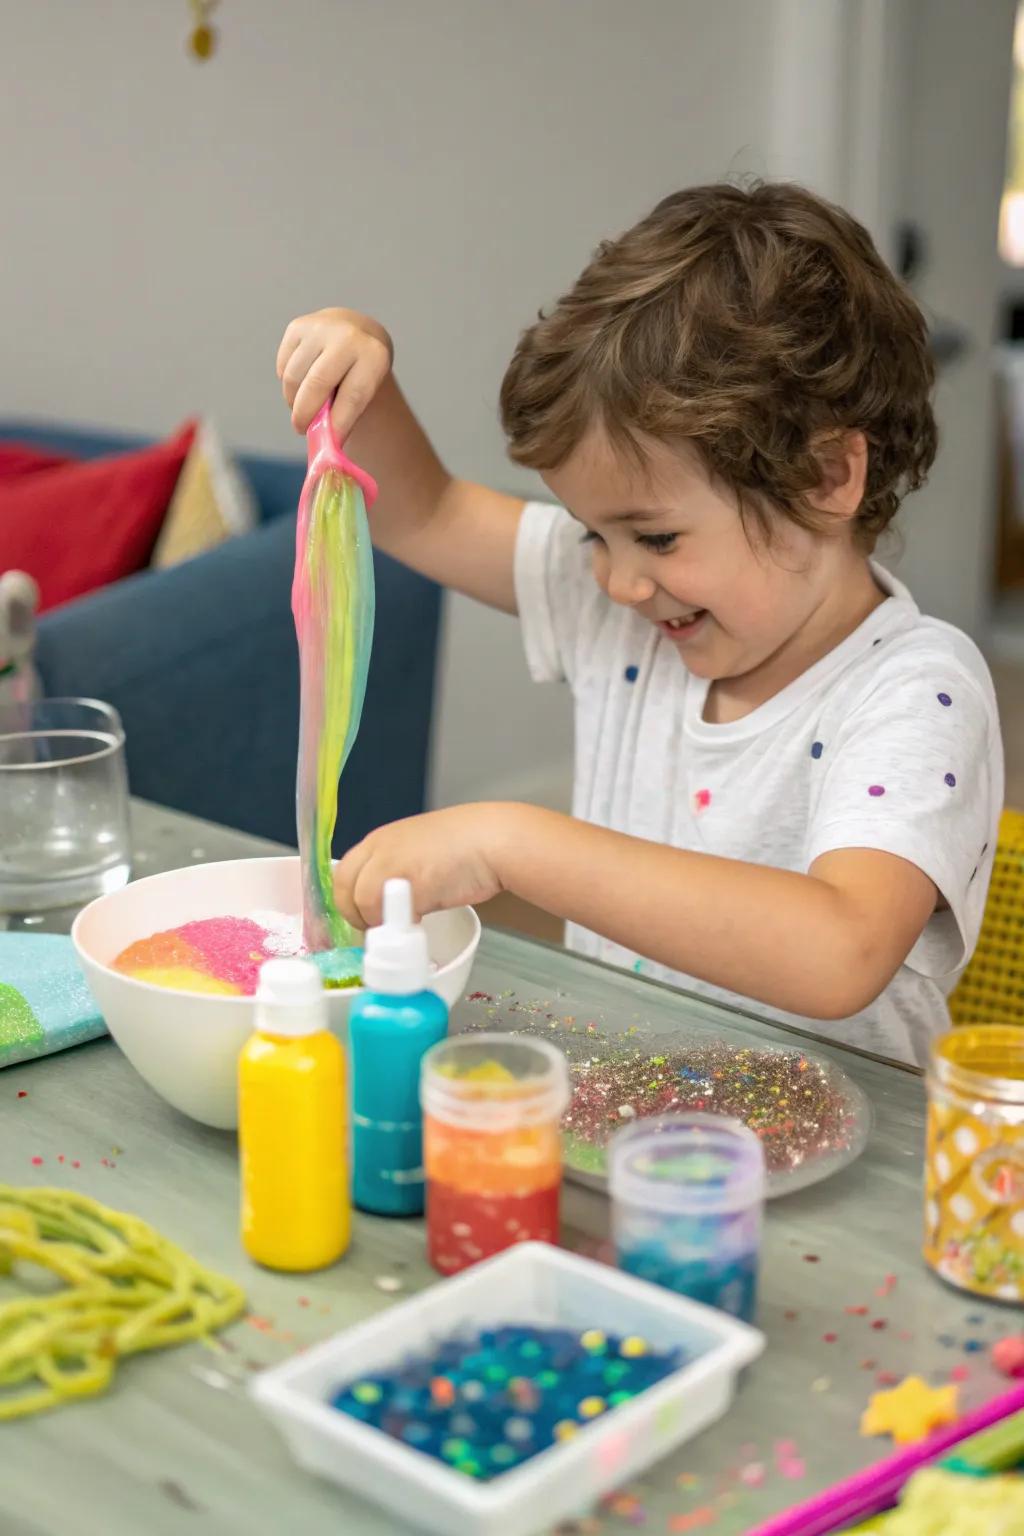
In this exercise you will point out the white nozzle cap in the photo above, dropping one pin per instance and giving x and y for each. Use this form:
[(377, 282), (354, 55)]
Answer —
[(290, 999), (396, 959)]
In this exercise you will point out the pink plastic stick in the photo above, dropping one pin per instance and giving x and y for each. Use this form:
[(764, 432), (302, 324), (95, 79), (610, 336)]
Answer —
[(876, 1487)]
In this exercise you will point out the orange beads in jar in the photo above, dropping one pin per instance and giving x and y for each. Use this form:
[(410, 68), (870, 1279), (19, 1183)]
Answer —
[(492, 1149)]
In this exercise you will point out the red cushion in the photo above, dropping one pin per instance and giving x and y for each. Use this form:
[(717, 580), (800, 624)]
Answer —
[(78, 524), (23, 459)]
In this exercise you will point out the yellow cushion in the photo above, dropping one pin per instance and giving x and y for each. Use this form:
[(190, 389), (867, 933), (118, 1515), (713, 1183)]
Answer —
[(991, 990), (211, 503)]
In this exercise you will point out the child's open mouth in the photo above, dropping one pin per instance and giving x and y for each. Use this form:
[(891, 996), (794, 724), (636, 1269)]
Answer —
[(683, 628)]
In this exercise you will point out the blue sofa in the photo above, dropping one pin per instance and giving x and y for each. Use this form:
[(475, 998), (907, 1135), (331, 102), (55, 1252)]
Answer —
[(201, 662)]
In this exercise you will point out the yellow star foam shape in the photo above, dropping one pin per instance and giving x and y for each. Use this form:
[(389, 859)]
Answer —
[(910, 1411)]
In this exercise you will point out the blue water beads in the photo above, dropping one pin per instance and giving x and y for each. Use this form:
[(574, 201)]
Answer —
[(687, 1197), (729, 1285), (487, 1402)]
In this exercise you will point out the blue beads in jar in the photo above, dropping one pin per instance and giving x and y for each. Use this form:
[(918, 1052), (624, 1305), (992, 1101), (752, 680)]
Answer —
[(687, 1202)]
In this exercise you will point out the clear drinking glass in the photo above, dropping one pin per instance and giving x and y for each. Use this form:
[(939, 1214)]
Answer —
[(63, 804)]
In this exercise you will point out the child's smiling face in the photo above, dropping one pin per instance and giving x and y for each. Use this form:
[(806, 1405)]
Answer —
[(672, 545)]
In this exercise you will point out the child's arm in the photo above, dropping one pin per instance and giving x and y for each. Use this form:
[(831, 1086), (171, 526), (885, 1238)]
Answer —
[(460, 534), (823, 944)]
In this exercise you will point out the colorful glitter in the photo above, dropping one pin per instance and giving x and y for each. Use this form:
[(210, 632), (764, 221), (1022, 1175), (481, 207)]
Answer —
[(481, 1423), (224, 955), (809, 1115), (803, 1110), (18, 1023)]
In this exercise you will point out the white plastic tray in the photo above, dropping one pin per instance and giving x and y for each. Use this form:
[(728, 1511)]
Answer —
[(532, 1283)]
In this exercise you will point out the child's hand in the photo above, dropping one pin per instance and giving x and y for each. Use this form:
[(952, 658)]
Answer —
[(449, 857), (333, 349)]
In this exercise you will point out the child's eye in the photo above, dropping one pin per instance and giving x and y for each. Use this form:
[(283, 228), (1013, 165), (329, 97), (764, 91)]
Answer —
[(591, 538), (661, 543)]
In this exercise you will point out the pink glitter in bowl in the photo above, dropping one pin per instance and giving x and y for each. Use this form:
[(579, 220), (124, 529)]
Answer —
[(232, 947)]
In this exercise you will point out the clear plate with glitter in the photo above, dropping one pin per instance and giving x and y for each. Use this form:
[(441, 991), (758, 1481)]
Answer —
[(810, 1117)]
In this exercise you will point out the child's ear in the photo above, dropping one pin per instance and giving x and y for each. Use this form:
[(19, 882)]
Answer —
[(843, 457)]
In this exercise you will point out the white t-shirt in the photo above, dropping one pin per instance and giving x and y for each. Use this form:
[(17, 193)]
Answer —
[(891, 741)]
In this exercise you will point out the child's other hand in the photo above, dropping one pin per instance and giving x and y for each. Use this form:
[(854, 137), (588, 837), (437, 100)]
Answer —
[(449, 857), (333, 350)]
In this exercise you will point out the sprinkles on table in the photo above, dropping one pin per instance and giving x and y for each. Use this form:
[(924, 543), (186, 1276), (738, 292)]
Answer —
[(484, 1403)]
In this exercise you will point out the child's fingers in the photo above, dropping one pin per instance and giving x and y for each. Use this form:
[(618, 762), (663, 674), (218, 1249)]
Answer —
[(289, 341), (297, 369), (368, 896), (326, 373), (344, 878), (357, 389)]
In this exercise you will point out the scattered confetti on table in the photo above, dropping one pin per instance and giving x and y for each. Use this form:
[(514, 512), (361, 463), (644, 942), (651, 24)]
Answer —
[(180, 1496), (1008, 1355), (910, 1411)]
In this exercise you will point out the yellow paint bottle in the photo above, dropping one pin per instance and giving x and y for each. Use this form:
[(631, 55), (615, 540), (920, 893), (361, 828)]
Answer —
[(292, 1125)]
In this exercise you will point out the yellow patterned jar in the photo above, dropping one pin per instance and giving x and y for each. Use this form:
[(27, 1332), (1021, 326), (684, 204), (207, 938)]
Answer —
[(974, 1174)]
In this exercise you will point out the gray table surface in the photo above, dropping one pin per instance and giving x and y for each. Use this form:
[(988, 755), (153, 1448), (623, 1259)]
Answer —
[(176, 1447)]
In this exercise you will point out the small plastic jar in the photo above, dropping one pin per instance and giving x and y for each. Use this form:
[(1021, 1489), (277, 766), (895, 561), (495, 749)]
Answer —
[(687, 1203), (974, 1167), (492, 1150)]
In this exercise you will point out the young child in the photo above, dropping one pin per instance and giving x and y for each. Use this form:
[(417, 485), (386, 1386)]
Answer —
[(788, 779)]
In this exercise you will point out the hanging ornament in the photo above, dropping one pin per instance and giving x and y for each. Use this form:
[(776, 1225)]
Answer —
[(203, 37)]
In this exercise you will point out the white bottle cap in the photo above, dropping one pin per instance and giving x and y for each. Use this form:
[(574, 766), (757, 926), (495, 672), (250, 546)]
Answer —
[(396, 960), (290, 999)]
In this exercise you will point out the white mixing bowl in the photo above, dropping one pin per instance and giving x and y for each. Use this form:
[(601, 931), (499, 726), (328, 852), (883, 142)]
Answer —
[(186, 1044)]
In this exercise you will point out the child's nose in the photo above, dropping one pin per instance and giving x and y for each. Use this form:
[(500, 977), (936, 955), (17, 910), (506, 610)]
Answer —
[(628, 588)]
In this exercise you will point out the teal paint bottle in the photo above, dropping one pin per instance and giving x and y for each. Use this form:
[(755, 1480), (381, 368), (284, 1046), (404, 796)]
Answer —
[(391, 1025)]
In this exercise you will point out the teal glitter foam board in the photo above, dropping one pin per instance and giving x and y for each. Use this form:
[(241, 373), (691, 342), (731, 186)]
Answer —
[(45, 1005)]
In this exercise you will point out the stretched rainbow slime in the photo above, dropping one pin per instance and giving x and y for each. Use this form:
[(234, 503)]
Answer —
[(333, 607)]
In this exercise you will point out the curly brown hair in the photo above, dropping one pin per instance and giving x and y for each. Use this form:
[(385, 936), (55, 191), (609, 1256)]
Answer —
[(755, 323)]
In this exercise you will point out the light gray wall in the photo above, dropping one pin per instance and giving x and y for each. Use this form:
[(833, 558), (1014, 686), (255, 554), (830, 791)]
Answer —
[(958, 86), (446, 165)]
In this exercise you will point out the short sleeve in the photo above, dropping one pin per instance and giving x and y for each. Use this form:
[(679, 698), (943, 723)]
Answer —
[(915, 769), (553, 587)]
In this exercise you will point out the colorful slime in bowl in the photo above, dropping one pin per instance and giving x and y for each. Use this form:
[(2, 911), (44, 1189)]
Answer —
[(223, 955)]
